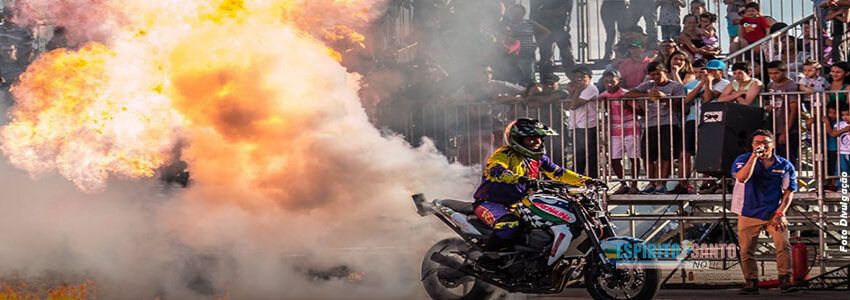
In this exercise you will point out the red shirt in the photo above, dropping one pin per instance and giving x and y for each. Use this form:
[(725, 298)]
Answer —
[(633, 72), (754, 28)]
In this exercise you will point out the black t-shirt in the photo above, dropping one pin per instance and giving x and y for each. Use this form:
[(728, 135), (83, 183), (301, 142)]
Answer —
[(551, 22)]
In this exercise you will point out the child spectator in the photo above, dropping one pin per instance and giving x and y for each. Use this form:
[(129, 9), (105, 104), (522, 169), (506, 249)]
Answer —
[(624, 131), (841, 131), (732, 17), (669, 18), (829, 123), (812, 82), (708, 31), (753, 26)]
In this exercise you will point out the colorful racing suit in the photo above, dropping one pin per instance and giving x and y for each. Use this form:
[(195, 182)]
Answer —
[(500, 187)]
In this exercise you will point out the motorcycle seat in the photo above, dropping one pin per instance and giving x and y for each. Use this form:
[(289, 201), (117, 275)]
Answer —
[(463, 207)]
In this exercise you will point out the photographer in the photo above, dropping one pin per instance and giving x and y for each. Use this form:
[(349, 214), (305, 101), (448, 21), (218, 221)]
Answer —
[(769, 181)]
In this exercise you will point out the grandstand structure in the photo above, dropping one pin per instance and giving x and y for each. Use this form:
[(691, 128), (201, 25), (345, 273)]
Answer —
[(466, 133)]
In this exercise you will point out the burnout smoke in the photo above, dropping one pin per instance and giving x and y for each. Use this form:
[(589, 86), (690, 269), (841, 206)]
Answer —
[(288, 175)]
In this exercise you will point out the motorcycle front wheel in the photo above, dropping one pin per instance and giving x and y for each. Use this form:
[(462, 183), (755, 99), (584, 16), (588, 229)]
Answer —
[(621, 284), (444, 283)]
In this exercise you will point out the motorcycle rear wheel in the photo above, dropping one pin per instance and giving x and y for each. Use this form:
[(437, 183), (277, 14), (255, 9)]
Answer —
[(443, 283)]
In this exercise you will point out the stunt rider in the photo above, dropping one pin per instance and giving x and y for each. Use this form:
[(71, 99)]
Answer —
[(511, 172)]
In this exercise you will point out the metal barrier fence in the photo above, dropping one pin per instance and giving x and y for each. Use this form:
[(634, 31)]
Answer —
[(468, 133)]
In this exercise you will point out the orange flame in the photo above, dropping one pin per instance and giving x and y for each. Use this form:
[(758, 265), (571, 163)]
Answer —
[(115, 110)]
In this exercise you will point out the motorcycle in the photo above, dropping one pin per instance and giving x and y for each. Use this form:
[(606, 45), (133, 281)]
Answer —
[(565, 236)]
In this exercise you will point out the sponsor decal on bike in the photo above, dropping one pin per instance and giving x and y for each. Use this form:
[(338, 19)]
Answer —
[(560, 213)]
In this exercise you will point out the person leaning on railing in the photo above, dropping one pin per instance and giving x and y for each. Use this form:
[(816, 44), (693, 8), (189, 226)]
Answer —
[(660, 124), (743, 89), (784, 109), (705, 89)]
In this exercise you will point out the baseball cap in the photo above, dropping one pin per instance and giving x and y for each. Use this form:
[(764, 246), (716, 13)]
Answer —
[(636, 43), (611, 73), (715, 64)]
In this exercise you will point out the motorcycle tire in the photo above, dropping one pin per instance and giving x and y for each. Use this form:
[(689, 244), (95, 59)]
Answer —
[(594, 284), (460, 288)]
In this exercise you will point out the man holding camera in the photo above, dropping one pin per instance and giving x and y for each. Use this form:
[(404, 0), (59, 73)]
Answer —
[(769, 181)]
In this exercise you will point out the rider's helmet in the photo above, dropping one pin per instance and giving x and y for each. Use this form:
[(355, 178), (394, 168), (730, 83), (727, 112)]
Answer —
[(525, 127)]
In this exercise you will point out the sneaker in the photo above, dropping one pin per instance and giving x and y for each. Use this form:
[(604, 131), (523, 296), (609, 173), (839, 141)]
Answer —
[(649, 190), (785, 285), (750, 288), (624, 189), (660, 190), (634, 190)]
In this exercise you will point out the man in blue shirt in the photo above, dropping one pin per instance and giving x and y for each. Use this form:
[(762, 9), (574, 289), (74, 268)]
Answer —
[(769, 181)]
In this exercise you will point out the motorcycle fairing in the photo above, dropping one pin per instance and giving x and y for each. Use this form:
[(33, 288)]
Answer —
[(563, 236), (550, 208)]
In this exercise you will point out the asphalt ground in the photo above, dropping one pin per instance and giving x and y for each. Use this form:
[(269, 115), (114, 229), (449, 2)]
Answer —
[(725, 294)]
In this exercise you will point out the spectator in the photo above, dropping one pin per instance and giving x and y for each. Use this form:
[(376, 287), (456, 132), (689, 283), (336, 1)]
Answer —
[(610, 12), (733, 18), (784, 109), (555, 16), (583, 121), (506, 64), (669, 19), (690, 126), (666, 49), (525, 30), (812, 82), (838, 11), (680, 67), (698, 7), (661, 124), (633, 68), (691, 41), (624, 131), (629, 36), (648, 10), (16, 44), (752, 28), (841, 132), (830, 121), (837, 91), (708, 31), (769, 181), (478, 138), (705, 90), (744, 89)]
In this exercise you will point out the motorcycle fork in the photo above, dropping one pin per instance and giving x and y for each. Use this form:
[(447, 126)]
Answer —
[(594, 240)]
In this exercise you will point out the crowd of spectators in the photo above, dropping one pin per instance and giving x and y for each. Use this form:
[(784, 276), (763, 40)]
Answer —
[(651, 90)]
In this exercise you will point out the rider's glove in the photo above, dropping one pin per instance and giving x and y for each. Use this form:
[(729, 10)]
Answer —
[(530, 183)]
